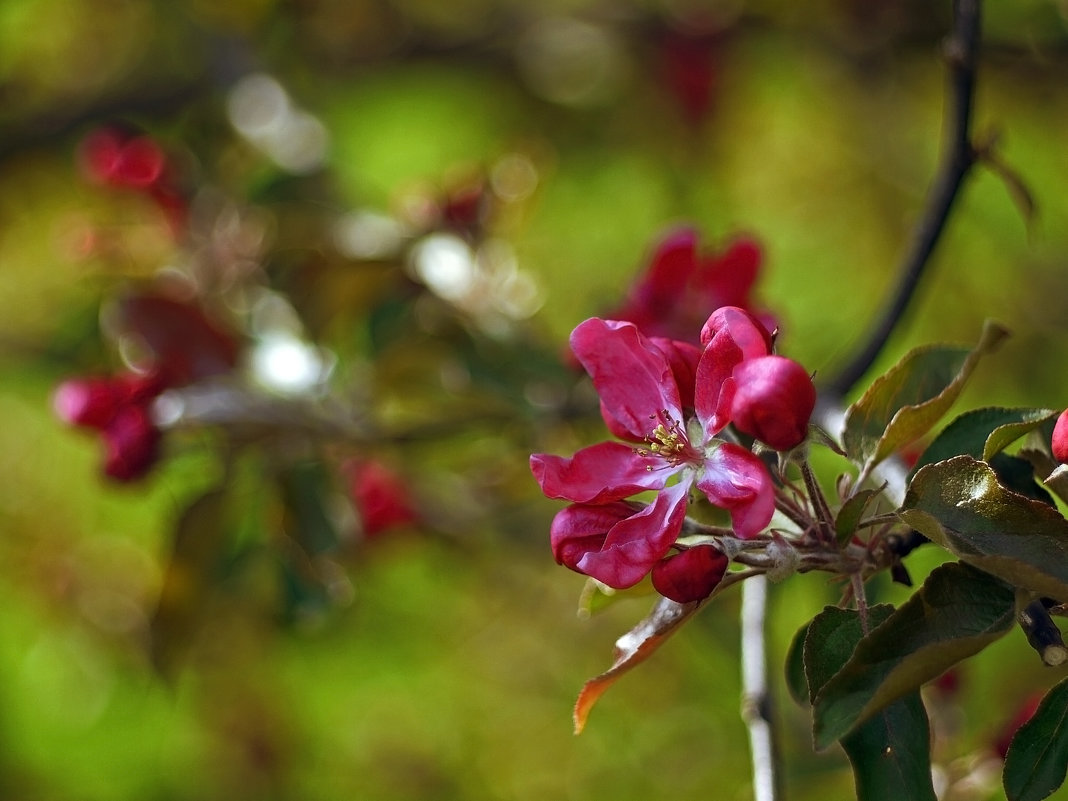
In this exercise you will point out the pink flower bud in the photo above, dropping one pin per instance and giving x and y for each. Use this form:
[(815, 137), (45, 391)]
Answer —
[(690, 575), (1059, 442), (773, 401), (132, 444), (140, 164), (86, 401), (380, 496)]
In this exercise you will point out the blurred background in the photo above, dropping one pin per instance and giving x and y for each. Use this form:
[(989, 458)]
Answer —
[(397, 211)]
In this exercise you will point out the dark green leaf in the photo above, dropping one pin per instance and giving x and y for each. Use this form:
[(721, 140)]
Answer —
[(890, 754), (305, 497), (1037, 760), (796, 682), (906, 402), (845, 525), (958, 612), (981, 433), (1018, 475), (832, 637), (960, 505)]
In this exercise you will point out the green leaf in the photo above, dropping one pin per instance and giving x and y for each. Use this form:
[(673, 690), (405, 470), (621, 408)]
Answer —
[(305, 497), (960, 505), (958, 612), (890, 754), (981, 433), (906, 402), (796, 682), (845, 524), (1037, 760)]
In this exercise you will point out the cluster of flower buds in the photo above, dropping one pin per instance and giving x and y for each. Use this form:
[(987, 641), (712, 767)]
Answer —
[(182, 346), (119, 407), (673, 401), (124, 159)]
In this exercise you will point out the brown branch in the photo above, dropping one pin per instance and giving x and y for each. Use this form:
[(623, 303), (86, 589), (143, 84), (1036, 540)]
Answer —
[(961, 51)]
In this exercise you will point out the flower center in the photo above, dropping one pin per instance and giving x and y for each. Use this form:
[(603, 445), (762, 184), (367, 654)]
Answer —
[(668, 441)]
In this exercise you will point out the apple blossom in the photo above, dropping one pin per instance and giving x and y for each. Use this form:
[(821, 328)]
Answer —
[(641, 402)]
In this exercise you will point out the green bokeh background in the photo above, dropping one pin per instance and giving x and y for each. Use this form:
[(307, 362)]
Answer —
[(452, 672)]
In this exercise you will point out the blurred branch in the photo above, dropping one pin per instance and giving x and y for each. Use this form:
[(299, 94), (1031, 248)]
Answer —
[(756, 704), (961, 51)]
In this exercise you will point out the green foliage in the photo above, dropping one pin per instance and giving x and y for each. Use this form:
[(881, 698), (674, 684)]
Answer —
[(1037, 760), (956, 613), (983, 433), (960, 504), (889, 753), (906, 402)]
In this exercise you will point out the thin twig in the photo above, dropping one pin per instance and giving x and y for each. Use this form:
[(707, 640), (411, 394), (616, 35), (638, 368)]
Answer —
[(756, 708), (959, 157), (1043, 634)]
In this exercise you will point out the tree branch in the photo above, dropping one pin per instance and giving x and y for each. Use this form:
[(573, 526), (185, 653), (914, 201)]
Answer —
[(1042, 633), (961, 51), (756, 706)]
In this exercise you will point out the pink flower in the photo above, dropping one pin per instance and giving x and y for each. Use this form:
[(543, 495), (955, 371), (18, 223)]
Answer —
[(124, 159), (681, 287), (381, 498), (641, 402), (1059, 442), (117, 407), (182, 346)]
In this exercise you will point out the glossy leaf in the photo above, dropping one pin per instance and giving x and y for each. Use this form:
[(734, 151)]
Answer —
[(1037, 760), (960, 505), (632, 649), (906, 402), (958, 612), (890, 753), (981, 433)]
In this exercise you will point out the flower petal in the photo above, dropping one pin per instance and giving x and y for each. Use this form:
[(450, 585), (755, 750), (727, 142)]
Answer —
[(683, 359), (609, 471), (582, 528), (632, 376), (736, 480), (635, 544), (730, 336)]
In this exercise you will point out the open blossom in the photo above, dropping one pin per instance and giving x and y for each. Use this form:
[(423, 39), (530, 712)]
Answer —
[(682, 286), (642, 402)]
